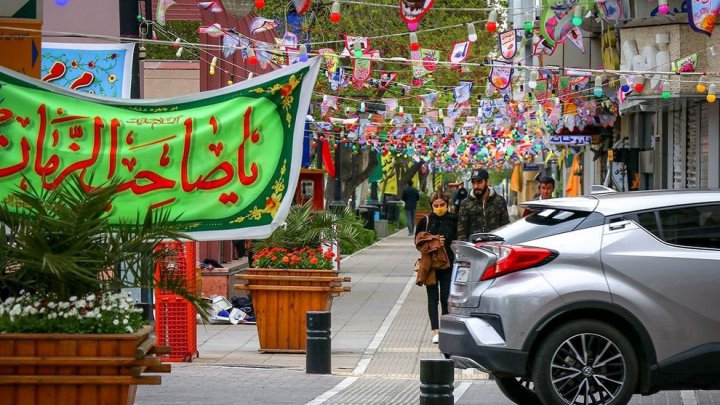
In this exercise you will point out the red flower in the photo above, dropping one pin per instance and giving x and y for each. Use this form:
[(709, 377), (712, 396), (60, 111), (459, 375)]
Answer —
[(91, 64), (313, 260)]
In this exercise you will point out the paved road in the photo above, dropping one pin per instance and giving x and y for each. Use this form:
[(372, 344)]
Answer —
[(380, 334)]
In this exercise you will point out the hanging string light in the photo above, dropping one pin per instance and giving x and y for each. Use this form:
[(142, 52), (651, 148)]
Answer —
[(598, 91), (532, 83), (414, 44), (472, 35), (303, 53), (639, 84), (702, 85), (491, 24), (663, 7), (212, 66), (711, 93), (666, 90), (577, 16), (252, 59), (335, 12), (529, 23)]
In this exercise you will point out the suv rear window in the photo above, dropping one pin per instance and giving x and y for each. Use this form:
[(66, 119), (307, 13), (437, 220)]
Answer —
[(545, 223), (693, 226)]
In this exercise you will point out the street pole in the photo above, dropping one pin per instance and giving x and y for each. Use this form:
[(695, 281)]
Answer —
[(337, 189)]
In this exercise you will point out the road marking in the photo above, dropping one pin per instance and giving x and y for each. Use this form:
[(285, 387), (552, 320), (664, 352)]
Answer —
[(369, 350), (460, 390), (333, 391), (688, 397)]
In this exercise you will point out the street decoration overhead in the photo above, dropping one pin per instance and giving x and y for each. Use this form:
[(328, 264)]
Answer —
[(225, 162)]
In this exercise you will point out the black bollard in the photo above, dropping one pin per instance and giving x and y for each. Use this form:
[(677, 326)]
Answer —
[(317, 356), (436, 382)]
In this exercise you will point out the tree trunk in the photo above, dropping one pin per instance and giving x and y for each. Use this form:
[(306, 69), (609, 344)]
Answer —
[(355, 170)]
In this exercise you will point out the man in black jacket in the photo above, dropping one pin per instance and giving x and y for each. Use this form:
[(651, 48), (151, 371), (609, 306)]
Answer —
[(410, 196), (484, 210)]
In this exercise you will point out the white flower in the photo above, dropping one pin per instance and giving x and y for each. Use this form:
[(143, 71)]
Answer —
[(125, 321), (64, 305), (33, 311), (91, 297), (73, 298), (116, 322), (80, 304), (129, 329), (52, 304)]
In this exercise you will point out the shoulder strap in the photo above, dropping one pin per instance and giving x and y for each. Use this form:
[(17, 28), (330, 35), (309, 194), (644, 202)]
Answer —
[(427, 222)]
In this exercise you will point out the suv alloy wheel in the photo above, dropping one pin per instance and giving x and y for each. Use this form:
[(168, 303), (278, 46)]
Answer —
[(585, 361), (518, 390)]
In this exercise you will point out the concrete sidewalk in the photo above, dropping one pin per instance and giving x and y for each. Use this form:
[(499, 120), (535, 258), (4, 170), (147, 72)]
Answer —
[(380, 332)]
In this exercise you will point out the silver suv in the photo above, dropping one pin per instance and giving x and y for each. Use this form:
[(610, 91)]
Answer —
[(592, 299)]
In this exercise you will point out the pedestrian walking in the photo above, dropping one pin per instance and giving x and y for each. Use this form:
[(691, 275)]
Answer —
[(458, 198), (546, 188), (484, 210), (443, 224), (410, 197)]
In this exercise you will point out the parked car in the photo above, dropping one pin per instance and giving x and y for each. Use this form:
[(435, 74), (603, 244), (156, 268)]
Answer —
[(592, 299)]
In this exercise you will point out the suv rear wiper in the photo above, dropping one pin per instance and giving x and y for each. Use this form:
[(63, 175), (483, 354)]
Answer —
[(485, 237)]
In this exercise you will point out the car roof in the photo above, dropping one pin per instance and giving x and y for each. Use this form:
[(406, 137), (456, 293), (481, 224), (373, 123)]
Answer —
[(617, 203)]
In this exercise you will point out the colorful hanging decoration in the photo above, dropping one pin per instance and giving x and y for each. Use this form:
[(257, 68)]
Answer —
[(575, 37), (214, 31), (501, 74), (703, 15), (462, 92), (508, 41), (540, 47), (238, 8), (385, 79), (301, 6), (611, 10), (210, 6), (429, 57), (329, 102), (364, 44), (687, 64), (428, 100), (361, 72), (231, 41), (556, 19), (412, 11), (161, 10), (459, 53), (390, 106), (260, 24)]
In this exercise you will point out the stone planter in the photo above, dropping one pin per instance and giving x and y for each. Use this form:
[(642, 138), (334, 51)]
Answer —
[(281, 298), (54, 368)]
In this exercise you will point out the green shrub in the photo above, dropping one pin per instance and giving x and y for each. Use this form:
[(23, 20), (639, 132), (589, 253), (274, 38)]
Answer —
[(365, 238)]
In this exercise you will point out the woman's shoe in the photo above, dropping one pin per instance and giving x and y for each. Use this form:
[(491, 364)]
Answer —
[(436, 339)]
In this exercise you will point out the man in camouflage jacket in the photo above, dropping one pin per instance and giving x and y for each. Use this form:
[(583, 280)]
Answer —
[(484, 210)]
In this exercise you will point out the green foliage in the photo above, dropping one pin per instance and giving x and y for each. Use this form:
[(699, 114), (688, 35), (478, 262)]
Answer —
[(185, 30), (61, 242), (305, 227), (366, 237)]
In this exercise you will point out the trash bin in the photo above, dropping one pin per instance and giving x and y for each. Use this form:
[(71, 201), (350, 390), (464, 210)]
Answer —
[(367, 213)]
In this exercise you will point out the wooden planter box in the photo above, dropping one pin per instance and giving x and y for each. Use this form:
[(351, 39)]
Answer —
[(54, 368), (282, 297)]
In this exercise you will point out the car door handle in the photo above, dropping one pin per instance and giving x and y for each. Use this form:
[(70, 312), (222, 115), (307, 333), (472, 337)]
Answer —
[(616, 226)]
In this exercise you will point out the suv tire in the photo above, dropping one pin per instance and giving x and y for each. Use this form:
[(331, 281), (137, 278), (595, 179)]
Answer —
[(517, 389), (585, 358)]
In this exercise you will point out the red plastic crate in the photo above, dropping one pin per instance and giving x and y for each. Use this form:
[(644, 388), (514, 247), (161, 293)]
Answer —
[(175, 324), (180, 263)]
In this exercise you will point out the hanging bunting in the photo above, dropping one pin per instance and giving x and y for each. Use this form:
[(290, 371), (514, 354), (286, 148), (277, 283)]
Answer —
[(260, 24), (361, 72), (332, 60), (385, 79), (264, 53), (564, 89), (288, 39), (238, 8), (575, 37), (556, 20), (461, 93), (338, 80), (428, 100), (429, 58), (210, 6), (703, 15), (301, 6), (231, 41), (611, 10), (390, 106), (350, 44), (161, 10), (418, 70), (412, 11), (541, 91), (541, 47), (508, 41), (327, 158), (329, 102), (459, 53), (501, 74)]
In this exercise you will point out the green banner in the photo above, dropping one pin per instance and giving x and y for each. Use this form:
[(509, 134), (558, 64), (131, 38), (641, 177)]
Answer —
[(227, 161)]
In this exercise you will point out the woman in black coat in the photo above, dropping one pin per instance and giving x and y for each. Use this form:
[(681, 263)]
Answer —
[(439, 222)]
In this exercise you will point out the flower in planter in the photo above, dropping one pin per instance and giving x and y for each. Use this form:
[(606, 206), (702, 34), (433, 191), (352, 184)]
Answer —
[(297, 244), (59, 249), (294, 258)]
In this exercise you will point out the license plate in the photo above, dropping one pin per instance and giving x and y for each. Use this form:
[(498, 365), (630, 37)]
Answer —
[(461, 276)]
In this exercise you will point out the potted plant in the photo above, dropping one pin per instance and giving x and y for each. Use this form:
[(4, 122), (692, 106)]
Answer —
[(294, 273), (66, 330)]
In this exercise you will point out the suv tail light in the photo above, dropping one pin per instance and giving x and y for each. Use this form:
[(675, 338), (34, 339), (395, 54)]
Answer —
[(514, 258)]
